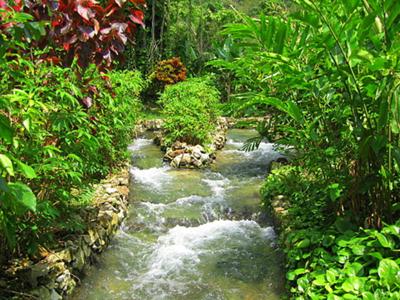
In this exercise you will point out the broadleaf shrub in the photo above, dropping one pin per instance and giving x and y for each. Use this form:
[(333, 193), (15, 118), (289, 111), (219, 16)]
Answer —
[(191, 109), (88, 31), (170, 71), (61, 129), (344, 264), (329, 257)]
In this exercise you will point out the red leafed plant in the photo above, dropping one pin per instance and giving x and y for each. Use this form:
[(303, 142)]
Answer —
[(94, 33), (85, 29), (170, 71)]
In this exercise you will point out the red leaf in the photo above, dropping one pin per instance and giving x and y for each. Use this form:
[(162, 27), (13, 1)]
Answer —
[(85, 12), (140, 2), (137, 17)]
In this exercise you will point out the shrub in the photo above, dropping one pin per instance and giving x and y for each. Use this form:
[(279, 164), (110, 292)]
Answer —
[(329, 257), (191, 110), (339, 263), (170, 71), (59, 132), (87, 30), (308, 199)]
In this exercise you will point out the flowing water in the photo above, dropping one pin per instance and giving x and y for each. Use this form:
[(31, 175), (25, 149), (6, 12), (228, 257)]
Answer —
[(192, 234)]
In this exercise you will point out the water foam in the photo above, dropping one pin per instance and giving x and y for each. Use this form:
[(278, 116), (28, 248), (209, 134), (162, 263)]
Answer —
[(217, 186), (178, 254), (139, 144), (264, 150), (154, 177)]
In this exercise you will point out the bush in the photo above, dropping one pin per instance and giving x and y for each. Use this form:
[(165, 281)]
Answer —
[(170, 71), (329, 257), (309, 201), (339, 263), (191, 111), (60, 130)]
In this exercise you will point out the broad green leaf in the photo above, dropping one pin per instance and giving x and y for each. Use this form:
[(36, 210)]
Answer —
[(294, 111), (319, 280), (6, 163), (352, 284), (368, 296), (334, 191), (353, 269), (389, 271), (6, 131), (27, 124), (26, 170), (331, 275), (358, 249), (384, 241), (303, 244), (24, 197)]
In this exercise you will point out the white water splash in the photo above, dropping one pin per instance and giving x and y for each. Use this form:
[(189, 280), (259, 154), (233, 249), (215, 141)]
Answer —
[(236, 144), (139, 144), (178, 254), (264, 151), (217, 186), (154, 177)]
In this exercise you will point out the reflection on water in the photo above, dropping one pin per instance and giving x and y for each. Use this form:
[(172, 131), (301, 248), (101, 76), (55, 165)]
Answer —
[(192, 234)]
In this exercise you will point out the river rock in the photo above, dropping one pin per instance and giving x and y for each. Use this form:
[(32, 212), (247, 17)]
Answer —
[(158, 138), (79, 260), (171, 154), (176, 162), (64, 255), (197, 163), (186, 159), (204, 158), (152, 125), (197, 155), (111, 190)]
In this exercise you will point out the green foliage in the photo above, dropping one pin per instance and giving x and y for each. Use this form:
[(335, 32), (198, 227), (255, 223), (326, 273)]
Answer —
[(341, 264), (193, 29), (191, 110), (329, 257), (307, 196), (60, 130), (329, 72)]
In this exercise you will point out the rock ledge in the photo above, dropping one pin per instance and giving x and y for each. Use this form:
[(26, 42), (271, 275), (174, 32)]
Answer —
[(56, 275)]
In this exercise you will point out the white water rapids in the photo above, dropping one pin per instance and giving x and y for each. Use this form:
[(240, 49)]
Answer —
[(192, 234)]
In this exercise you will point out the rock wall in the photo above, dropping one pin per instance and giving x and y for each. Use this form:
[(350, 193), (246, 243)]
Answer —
[(149, 125), (56, 275)]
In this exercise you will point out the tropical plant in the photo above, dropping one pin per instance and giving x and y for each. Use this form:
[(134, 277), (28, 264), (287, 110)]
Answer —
[(331, 68), (60, 129), (85, 30), (343, 264), (170, 71), (190, 109)]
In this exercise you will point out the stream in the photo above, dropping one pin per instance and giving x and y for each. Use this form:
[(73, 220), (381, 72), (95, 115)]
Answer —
[(192, 234)]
